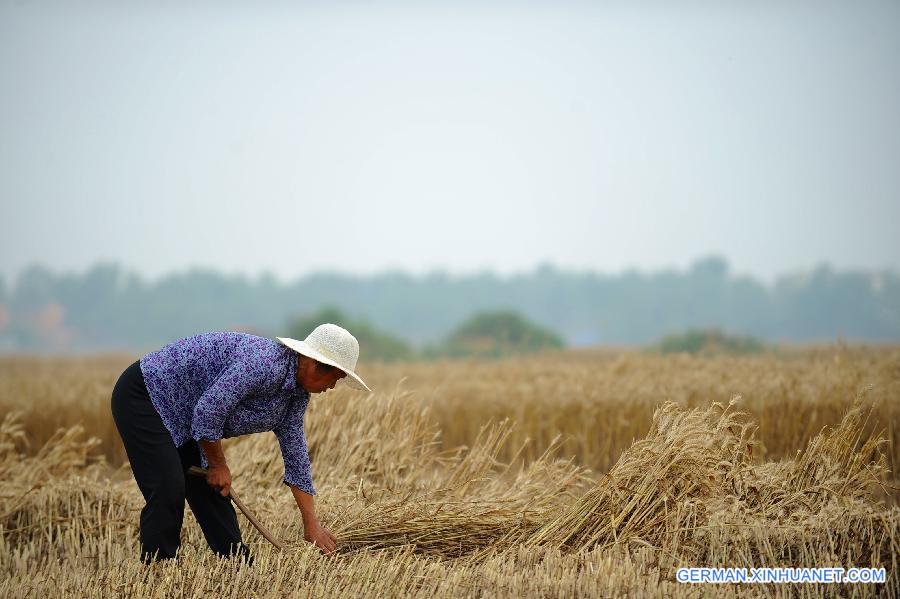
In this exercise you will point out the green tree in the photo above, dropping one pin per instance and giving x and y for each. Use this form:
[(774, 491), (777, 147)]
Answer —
[(373, 342), (709, 342), (497, 333)]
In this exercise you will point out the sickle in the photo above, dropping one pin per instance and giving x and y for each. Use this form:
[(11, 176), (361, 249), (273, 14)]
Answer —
[(197, 471)]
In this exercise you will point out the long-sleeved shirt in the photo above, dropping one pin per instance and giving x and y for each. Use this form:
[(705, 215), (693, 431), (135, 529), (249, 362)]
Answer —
[(226, 384)]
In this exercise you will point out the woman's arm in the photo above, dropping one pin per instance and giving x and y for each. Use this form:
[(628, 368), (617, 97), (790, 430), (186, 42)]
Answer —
[(243, 377), (312, 530), (218, 475), (236, 381), (298, 473)]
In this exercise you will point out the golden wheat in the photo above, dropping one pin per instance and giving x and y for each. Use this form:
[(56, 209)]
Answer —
[(570, 474)]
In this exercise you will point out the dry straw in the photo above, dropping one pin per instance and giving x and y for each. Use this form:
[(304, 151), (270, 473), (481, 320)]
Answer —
[(494, 517)]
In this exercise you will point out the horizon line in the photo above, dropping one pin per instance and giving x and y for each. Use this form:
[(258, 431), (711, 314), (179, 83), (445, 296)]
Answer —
[(442, 271)]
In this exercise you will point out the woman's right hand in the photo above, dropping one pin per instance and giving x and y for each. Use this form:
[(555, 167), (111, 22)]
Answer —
[(219, 478), (320, 536)]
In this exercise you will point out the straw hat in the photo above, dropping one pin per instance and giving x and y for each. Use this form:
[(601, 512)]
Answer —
[(333, 345)]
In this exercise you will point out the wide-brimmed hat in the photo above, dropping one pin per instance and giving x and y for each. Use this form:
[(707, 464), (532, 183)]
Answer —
[(332, 345)]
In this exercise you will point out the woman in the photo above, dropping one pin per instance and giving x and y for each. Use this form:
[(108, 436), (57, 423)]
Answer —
[(173, 406)]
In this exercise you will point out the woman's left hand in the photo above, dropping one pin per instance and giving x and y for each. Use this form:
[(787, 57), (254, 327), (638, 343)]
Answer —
[(219, 478)]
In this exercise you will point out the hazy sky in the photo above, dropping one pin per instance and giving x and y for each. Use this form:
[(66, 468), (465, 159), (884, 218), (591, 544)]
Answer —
[(298, 137)]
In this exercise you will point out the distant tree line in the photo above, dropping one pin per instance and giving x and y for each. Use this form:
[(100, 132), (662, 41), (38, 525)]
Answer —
[(491, 334), (708, 342), (109, 308)]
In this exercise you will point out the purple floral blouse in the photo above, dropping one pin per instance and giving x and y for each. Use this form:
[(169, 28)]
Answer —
[(222, 384)]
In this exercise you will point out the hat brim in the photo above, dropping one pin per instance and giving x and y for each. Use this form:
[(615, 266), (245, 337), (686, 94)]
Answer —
[(352, 379)]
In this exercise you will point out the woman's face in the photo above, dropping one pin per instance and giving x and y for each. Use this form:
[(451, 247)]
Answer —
[(316, 377)]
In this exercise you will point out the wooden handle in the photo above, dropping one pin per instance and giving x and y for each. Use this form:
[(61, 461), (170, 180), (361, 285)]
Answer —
[(197, 471)]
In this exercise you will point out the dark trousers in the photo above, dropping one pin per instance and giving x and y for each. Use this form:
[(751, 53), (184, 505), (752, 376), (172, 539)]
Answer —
[(160, 470)]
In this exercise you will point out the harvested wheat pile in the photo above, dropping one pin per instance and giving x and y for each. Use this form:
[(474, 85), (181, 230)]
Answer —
[(691, 492)]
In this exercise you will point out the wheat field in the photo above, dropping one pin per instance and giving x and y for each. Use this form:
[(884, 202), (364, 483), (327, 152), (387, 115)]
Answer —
[(576, 473)]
